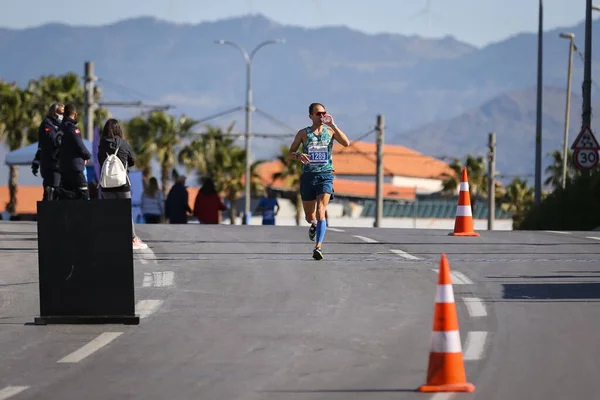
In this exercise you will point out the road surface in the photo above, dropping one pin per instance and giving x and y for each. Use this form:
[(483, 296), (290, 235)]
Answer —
[(243, 312)]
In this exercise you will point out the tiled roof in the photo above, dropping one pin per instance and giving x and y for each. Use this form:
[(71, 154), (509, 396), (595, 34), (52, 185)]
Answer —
[(360, 159), (346, 187)]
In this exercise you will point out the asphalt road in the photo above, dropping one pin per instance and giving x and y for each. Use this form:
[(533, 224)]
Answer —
[(244, 312)]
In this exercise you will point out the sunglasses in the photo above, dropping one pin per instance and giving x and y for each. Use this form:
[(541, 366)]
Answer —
[(320, 113)]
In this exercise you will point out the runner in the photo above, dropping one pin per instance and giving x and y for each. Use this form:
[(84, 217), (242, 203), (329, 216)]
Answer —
[(316, 183)]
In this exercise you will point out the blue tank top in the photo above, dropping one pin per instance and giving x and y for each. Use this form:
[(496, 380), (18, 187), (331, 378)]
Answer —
[(319, 149)]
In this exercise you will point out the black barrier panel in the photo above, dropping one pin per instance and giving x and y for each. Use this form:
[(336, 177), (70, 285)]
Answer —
[(86, 262)]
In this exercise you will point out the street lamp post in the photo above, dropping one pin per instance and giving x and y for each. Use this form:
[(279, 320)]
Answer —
[(538, 125), (248, 58), (571, 38)]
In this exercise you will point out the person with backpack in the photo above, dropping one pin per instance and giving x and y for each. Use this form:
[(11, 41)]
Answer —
[(116, 156)]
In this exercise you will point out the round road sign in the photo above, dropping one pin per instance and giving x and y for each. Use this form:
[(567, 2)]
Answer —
[(585, 158)]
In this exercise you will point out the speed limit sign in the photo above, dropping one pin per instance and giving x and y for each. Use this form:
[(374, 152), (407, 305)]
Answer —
[(586, 158)]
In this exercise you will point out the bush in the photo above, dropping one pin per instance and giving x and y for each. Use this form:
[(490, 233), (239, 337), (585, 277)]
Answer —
[(575, 208)]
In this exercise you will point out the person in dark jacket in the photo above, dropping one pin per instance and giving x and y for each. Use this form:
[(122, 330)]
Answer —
[(111, 141), (46, 158), (177, 204), (73, 155)]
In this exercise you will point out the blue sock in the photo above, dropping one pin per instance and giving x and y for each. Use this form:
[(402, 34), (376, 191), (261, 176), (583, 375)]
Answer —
[(321, 228)]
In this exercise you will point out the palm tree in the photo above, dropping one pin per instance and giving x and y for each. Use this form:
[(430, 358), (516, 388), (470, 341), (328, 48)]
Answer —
[(555, 170), (215, 155), (158, 135), (478, 180), (138, 134), (67, 88), (165, 137), (517, 199), (291, 173), (18, 126)]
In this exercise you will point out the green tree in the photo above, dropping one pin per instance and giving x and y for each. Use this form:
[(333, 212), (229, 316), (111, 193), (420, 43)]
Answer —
[(518, 198), (477, 174), (290, 174), (158, 136), (18, 128), (215, 155), (138, 134), (554, 171), (67, 88)]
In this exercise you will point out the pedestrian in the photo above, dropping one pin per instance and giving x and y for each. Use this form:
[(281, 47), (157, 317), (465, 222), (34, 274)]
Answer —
[(153, 203), (114, 180), (316, 182), (47, 156), (269, 207), (73, 156), (208, 205), (177, 205)]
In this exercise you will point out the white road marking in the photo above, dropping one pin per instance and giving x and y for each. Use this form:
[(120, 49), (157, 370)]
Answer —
[(145, 255), (475, 306), (158, 279), (442, 396), (10, 391), (365, 239), (147, 279), (458, 278), (592, 237), (146, 307), (560, 232), (404, 254), (336, 229), (475, 345), (91, 347)]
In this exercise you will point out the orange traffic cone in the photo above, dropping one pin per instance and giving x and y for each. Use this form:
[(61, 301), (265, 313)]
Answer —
[(463, 224), (446, 371)]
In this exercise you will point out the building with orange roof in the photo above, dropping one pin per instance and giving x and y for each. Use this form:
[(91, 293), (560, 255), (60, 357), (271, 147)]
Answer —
[(406, 172)]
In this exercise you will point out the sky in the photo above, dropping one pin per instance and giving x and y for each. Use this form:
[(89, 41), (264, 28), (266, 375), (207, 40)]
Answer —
[(478, 22)]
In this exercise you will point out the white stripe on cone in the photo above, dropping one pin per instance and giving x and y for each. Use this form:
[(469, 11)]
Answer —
[(463, 211), (444, 294), (464, 186), (445, 342)]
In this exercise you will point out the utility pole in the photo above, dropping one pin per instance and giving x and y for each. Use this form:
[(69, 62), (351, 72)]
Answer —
[(248, 58), (586, 116), (571, 37), (89, 101), (538, 125), (379, 181), (491, 181), (248, 183)]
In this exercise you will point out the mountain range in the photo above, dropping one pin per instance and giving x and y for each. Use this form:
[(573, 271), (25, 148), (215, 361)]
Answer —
[(439, 96)]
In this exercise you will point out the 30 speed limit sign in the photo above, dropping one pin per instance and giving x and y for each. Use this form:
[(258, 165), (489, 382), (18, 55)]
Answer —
[(586, 158)]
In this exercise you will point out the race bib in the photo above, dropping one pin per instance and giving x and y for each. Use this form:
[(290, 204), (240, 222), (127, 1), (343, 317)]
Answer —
[(318, 154)]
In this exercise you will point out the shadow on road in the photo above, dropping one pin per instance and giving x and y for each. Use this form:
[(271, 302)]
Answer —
[(551, 291)]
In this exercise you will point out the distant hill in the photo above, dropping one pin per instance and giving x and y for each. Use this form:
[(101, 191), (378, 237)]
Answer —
[(413, 81), (512, 116)]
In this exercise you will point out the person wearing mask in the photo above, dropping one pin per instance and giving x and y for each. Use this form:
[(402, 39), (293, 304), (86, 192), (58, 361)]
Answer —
[(208, 205), (47, 156), (153, 207), (177, 204), (269, 207), (111, 142), (73, 156)]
